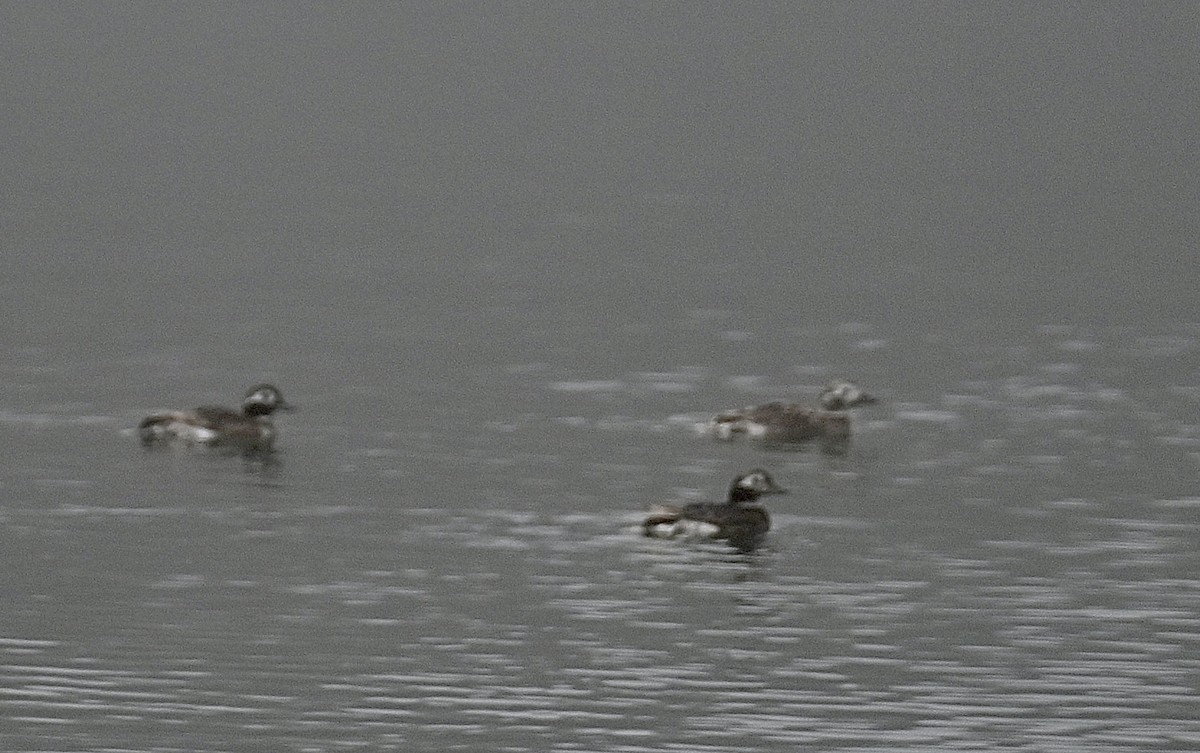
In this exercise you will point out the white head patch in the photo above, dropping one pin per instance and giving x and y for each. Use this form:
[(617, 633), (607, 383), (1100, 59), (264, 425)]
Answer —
[(755, 480)]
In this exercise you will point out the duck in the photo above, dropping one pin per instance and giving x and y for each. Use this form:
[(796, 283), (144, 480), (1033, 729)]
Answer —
[(249, 428), (736, 520), (780, 421)]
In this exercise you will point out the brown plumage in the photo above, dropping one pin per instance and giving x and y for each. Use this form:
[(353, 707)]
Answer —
[(218, 425), (779, 421), (736, 520)]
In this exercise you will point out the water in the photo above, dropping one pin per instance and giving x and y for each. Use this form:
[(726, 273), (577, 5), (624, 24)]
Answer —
[(503, 259)]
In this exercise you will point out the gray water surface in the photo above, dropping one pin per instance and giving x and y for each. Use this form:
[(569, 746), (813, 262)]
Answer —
[(505, 258), (1011, 562)]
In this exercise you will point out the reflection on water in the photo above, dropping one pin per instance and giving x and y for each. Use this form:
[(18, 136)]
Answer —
[(1006, 556), (551, 631), (263, 462)]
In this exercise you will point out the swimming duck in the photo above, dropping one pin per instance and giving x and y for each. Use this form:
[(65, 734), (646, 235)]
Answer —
[(790, 422), (736, 520), (218, 425)]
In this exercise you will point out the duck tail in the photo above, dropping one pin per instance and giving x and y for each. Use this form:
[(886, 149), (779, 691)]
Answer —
[(150, 427), (660, 516)]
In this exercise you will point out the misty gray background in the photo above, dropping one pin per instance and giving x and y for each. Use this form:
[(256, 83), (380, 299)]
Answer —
[(504, 255), (863, 160)]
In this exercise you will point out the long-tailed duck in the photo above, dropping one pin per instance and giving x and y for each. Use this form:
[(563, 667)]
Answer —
[(790, 422), (736, 520), (217, 425)]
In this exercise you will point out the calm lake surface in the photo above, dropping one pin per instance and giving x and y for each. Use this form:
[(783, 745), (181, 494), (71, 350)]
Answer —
[(505, 258)]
